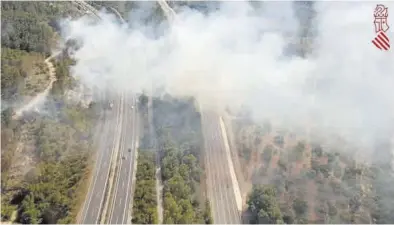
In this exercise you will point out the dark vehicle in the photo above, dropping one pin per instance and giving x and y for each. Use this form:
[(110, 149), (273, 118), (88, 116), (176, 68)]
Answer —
[(129, 149), (123, 157)]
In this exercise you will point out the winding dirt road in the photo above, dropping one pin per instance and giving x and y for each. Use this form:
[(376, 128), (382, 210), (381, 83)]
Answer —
[(39, 98)]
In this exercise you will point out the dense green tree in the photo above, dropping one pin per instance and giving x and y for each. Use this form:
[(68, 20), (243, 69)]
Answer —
[(179, 134), (25, 31), (263, 205), (145, 201), (30, 214), (6, 209), (172, 212), (300, 206)]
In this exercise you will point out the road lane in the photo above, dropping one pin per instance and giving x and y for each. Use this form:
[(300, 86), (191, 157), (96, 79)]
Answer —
[(233, 212), (119, 162), (99, 155), (131, 175), (123, 190), (93, 202), (220, 187)]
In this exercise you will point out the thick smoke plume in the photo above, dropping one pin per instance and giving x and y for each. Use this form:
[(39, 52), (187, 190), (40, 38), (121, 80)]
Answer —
[(239, 56)]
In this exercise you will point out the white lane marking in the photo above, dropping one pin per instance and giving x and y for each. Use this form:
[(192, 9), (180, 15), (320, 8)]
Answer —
[(97, 169), (234, 180), (231, 205), (119, 172), (212, 173), (134, 149), (220, 174), (115, 143), (135, 158)]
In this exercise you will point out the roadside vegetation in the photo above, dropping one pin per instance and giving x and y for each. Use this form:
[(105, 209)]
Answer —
[(46, 155), (29, 32), (31, 25), (308, 183), (145, 201), (45, 165), (263, 206), (22, 74), (178, 129)]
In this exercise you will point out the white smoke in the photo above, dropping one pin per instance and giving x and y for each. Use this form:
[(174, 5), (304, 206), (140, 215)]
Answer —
[(236, 57)]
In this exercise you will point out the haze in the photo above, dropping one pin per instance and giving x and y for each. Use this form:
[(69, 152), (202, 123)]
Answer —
[(238, 57)]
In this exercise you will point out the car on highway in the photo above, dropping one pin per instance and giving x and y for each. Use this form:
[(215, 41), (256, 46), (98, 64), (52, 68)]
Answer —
[(129, 149), (123, 157)]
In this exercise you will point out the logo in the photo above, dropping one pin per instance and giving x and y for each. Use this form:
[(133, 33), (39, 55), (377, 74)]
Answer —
[(381, 41)]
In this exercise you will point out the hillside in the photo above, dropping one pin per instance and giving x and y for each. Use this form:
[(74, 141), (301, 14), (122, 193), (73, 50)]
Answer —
[(45, 157), (311, 183)]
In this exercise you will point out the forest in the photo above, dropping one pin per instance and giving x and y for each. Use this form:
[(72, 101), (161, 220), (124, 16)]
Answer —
[(300, 181), (45, 156), (178, 127), (58, 149), (145, 199)]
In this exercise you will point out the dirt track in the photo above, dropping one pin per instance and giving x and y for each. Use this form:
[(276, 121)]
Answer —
[(39, 98)]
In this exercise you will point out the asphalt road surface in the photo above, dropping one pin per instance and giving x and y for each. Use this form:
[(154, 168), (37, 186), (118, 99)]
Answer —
[(219, 184), (123, 186), (94, 201)]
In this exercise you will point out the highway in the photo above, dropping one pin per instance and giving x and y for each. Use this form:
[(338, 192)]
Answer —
[(93, 203), (120, 211), (119, 134), (122, 135), (220, 188)]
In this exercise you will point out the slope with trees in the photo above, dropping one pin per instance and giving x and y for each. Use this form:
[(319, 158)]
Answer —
[(314, 183), (51, 190), (22, 74), (45, 157)]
